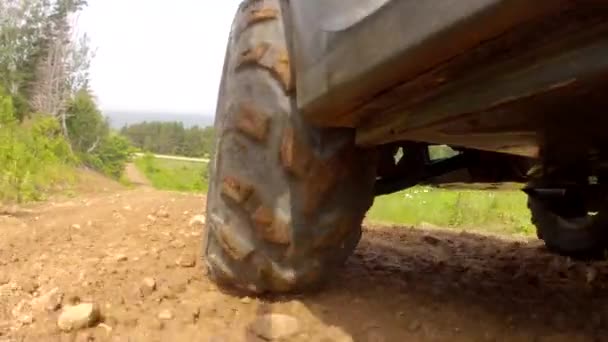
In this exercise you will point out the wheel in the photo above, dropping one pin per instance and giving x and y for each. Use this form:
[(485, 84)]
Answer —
[(567, 228), (286, 199)]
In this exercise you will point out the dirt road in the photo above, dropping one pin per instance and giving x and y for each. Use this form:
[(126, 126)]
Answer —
[(135, 176), (180, 158), (135, 254)]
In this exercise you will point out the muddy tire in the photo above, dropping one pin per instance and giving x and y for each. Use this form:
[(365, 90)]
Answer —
[(581, 235), (286, 200)]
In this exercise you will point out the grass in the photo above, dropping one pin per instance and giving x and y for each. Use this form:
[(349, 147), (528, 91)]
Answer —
[(35, 159), (502, 212), (174, 175), (499, 212)]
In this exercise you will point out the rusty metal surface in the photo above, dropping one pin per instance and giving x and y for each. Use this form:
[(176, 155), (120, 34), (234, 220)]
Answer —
[(474, 73), (503, 107), (344, 63)]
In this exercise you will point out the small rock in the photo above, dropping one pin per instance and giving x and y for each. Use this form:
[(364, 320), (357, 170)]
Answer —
[(127, 208), (178, 286), (4, 325), (121, 257), (148, 285), (85, 336), (28, 285), (18, 309), (26, 319), (197, 220), (151, 218), (193, 314), (427, 226), (165, 315), (275, 326), (430, 239), (4, 279), (162, 213), (74, 299), (122, 317), (76, 226), (178, 244), (414, 326), (50, 301), (590, 274), (156, 324), (246, 300), (105, 327), (371, 325), (78, 317), (186, 260)]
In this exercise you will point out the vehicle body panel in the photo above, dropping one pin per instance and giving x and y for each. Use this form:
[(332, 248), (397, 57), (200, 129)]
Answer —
[(392, 67)]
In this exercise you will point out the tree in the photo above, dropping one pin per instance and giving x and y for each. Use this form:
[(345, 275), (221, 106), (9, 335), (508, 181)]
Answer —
[(42, 60), (22, 37), (171, 138), (44, 68), (111, 156), (7, 116), (63, 69), (85, 123)]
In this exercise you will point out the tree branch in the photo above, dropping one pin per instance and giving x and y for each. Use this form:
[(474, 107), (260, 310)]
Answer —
[(95, 144)]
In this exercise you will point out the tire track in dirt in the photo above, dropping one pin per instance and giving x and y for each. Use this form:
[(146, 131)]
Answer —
[(401, 284), (135, 176)]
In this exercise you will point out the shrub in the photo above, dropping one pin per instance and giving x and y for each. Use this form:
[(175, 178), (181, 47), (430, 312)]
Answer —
[(90, 137), (34, 156), (110, 157)]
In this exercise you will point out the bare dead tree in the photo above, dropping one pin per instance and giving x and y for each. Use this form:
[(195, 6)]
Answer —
[(63, 70), (51, 91)]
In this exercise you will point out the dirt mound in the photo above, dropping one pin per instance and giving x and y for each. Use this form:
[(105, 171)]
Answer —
[(135, 256)]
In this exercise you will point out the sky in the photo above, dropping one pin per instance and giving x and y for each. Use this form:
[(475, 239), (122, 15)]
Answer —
[(157, 55)]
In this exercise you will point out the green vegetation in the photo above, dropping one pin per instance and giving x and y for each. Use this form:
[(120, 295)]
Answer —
[(173, 174), (34, 156), (49, 121), (91, 138), (171, 138), (50, 124), (493, 211)]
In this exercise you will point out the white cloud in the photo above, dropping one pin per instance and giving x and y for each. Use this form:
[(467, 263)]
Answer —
[(158, 55)]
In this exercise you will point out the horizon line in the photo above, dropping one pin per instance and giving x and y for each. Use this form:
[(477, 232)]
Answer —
[(168, 112)]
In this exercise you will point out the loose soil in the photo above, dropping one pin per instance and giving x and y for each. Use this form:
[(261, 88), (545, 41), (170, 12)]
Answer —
[(135, 176), (136, 255)]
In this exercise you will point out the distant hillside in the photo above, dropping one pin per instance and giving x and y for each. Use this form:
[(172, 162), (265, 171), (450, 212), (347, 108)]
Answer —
[(120, 119)]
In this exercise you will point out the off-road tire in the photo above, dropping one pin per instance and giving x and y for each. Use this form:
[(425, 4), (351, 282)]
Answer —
[(286, 199), (583, 236)]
